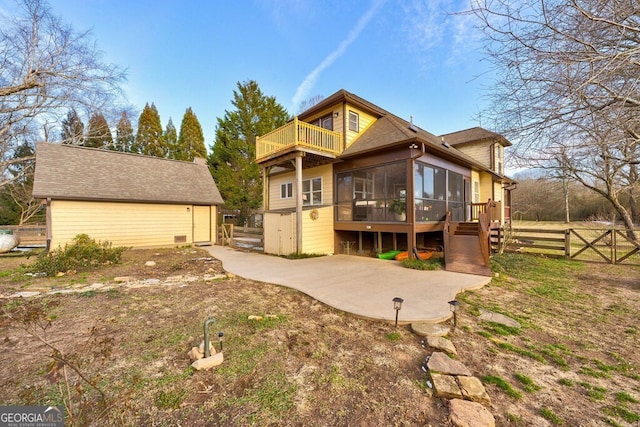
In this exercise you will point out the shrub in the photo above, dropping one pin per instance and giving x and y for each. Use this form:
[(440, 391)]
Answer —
[(81, 254)]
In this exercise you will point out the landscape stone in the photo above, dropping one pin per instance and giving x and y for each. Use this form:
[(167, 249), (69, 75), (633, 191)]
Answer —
[(490, 316), (472, 389), (208, 362), (441, 343), (24, 294), (443, 364), (426, 329), (469, 414), (446, 386), (150, 263), (195, 354)]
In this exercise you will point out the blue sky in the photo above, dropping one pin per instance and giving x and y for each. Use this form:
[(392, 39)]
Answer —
[(412, 58)]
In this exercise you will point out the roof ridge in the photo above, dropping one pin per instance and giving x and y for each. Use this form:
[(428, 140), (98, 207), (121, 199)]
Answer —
[(112, 152)]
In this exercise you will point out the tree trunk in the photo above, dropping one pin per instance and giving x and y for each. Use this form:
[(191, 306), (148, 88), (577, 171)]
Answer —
[(627, 221), (565, 190)]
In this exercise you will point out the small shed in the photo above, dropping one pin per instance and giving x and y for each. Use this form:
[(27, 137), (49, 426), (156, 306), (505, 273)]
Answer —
[(126, 199)]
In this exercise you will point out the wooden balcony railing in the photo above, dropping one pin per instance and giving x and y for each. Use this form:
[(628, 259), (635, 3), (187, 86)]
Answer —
[(298, 134), (490, 207)]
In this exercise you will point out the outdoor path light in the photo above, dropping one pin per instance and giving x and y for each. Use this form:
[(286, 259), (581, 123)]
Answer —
[(453, 306), (397, 305)]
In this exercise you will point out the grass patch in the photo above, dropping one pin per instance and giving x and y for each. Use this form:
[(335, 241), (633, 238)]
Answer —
[(514, 419), (274, 394), (428, 264), (394, 336), (528, 384), (169, 399), (565, 382), (524, 352), (589, 371), (620, 412), (500, 329), (595, 393), (624, 397), (551, 416), (503, 385), (485, 334), (555, 353)]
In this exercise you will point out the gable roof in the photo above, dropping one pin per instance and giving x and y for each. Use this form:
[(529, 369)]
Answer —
[(343, 96), (70, 172), (391, 131), (474, 134)]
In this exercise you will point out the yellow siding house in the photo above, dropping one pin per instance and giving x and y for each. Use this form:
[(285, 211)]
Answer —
[(127, 199)]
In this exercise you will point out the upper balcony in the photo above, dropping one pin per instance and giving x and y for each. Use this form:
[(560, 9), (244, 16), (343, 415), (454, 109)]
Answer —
[(298, 136)]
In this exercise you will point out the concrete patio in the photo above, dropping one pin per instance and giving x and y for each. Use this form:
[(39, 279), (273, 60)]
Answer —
[(359, 285)]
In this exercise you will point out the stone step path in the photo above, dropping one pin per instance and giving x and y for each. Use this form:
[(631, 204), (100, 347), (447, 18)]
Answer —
[(451, 379)]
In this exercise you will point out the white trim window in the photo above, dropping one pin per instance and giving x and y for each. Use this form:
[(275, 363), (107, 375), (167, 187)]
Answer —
[(354, 122), (286, 190), (312, 192)]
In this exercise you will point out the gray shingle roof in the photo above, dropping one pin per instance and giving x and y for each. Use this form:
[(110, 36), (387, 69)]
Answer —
[(78, 173), (391, 130), (473, 135)]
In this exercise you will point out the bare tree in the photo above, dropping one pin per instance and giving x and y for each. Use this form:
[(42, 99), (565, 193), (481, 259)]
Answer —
[(567, 89), (46, 69)]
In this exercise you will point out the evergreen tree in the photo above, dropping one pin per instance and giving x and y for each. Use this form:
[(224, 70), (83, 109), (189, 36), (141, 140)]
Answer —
[(149, 139), (170, 137), (72, 129), (98, 134), (191, 140), (232, 159), (124, 134)]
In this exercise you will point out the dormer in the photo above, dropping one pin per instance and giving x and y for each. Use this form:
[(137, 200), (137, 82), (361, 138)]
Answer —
[(484, 146)]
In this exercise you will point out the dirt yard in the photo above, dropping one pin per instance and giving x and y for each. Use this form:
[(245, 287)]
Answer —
[(118, 356)]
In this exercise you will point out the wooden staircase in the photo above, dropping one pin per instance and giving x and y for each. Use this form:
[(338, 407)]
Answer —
[(466, 248)]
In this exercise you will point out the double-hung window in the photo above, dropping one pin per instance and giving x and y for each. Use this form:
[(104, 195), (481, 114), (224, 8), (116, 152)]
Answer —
[(286, 190), (312, 192), (354, 122)]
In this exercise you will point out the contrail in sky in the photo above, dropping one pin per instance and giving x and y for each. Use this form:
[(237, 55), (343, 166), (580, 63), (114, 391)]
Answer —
[(310, 80)]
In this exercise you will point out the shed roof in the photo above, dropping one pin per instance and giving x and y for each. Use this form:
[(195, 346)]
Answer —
[(78, 173)]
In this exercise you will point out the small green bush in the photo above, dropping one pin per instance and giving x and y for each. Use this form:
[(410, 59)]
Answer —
[(81, 254)]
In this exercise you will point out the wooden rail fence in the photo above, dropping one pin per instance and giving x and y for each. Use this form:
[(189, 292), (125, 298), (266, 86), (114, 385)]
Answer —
[(610, 245)]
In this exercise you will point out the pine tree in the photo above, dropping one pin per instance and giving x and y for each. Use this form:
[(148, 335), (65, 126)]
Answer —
[(72, 129), (98, 134), (124, 134), (170, 137), (149, 139), (191, 140), (232, 160)]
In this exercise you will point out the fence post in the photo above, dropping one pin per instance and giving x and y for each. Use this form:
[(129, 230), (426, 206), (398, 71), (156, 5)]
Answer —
[(614, 252), (567, 243)]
